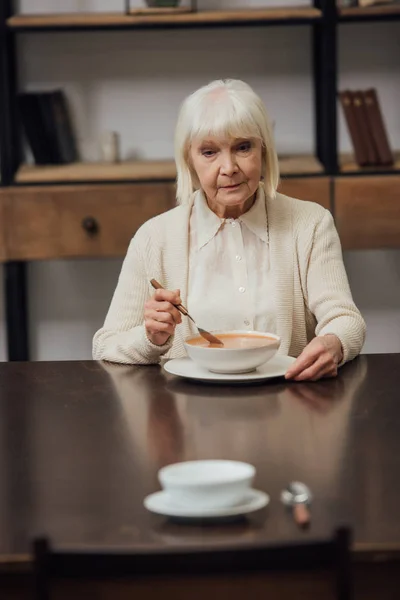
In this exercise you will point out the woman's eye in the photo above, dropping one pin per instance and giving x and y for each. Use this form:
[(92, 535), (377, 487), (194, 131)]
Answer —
[(245, 147), (208, 152)]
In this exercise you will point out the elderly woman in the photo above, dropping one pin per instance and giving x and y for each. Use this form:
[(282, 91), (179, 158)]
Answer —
[(235, 252)]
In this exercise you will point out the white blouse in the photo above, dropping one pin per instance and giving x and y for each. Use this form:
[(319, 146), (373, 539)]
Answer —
[(229, 269)]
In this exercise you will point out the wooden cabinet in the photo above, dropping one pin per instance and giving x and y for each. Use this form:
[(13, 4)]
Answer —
[(367, 211), (78, 221), (315, 189), (98, 220)]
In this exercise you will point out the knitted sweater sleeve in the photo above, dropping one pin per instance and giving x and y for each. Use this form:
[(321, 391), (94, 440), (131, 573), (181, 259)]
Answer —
[(328, 290), (123, 339)]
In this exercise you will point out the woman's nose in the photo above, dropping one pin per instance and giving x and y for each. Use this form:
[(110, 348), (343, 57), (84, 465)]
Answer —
[(228, 165)]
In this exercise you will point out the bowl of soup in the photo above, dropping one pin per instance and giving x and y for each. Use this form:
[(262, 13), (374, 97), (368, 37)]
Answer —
[(242, 351)]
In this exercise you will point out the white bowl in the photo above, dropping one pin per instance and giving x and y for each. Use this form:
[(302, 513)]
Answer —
[(207, 483), (234, 360)]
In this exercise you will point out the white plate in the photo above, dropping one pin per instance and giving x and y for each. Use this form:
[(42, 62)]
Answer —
[(161, 504), (186, 367)]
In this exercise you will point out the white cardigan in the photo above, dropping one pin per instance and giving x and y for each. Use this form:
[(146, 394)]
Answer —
[(312, 294)]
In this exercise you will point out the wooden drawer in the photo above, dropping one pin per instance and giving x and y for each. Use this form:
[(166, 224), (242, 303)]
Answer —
[(78, 221), (367, 211), (315, 189)]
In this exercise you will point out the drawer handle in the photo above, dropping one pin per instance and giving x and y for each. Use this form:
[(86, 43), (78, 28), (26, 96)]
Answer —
[(90, 225)]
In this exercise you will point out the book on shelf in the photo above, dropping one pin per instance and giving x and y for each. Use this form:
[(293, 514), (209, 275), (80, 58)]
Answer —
[(31, 118), (357, 133), (366, 126), (361, 117), (48, 128), (376, 125)]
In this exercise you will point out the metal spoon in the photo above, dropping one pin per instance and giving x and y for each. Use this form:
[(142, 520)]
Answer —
[(205, 334), (298, 496)]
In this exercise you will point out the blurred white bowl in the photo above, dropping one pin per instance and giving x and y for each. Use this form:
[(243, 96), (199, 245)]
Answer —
[(207, 483), (234, 360)]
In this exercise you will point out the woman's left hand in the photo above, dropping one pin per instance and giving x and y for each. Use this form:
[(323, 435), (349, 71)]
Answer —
[(319, 358)]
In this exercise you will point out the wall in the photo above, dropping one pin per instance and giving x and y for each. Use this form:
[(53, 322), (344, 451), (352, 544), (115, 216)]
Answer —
[(121, 81)]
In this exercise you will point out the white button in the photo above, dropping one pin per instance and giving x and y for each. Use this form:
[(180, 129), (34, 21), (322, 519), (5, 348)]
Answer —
[(247, 322), (238, 258), (242, 290), (233, 224)]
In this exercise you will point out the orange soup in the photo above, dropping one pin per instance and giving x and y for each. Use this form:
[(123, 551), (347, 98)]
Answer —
[(234, 340)]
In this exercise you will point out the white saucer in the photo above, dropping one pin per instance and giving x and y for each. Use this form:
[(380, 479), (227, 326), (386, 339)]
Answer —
[(186, 367), (160, 504)]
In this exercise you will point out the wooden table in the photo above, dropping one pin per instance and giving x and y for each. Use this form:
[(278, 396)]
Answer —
[(81, 443)]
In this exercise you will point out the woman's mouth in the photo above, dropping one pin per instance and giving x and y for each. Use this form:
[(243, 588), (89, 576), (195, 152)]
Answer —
[(231, 187)]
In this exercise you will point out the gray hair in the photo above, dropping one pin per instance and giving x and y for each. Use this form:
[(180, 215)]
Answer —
[(223, 108)]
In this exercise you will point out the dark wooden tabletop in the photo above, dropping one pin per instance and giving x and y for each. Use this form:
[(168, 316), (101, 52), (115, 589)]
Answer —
[(81, 444)]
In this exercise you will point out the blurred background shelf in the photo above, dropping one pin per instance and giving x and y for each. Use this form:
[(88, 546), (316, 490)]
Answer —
[(347, 164), (85, 171), (302, 164), (139, 171), (370, 13), (86, 21)]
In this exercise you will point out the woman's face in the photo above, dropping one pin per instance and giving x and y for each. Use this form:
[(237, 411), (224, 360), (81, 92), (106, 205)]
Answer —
[(229, 172)]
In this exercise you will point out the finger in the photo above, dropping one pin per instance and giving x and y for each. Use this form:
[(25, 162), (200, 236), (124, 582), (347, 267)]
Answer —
[(170, 308), (305, 360), (166, 295), (153, 326), (317, 371), (159, 317), (330, 374), (311, 353), (328, 368), (318, 376), (312, 371), (153, 306)]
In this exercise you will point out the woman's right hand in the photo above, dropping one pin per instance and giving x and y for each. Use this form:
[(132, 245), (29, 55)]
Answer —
[(161, 316)]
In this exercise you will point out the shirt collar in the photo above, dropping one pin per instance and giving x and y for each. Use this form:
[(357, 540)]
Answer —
[(256, 219), (208, 223)]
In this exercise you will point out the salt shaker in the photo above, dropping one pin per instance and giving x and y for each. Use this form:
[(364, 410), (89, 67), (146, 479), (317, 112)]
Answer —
[(109, 147), (298, 496)]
